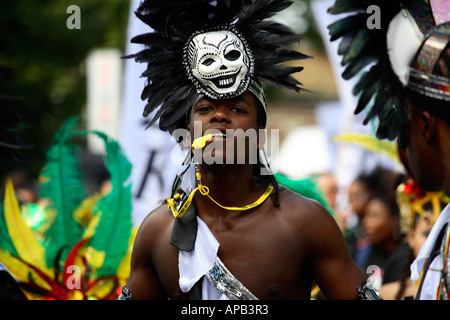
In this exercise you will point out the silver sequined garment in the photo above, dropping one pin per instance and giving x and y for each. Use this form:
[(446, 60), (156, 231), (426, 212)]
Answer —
[(224, 281)]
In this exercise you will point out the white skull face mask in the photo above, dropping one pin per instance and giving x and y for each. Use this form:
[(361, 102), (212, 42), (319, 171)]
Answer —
[(219, 64)]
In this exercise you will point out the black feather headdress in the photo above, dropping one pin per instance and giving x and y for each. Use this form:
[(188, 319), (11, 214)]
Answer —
[(362, 47), (180, 27), (369, 53)]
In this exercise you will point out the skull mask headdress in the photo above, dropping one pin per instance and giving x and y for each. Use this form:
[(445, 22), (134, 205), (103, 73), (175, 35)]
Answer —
[(218, 63), (216, 49)]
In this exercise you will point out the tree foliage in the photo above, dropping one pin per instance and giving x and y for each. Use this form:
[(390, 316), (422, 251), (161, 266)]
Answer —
[(49, 63)]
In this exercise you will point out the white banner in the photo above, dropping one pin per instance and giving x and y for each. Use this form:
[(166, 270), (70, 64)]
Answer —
[(149, 150), (103, 96)]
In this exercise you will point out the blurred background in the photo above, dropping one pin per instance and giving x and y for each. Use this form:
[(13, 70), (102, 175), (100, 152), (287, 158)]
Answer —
[(66, 61), (49, 63), (60, 72)]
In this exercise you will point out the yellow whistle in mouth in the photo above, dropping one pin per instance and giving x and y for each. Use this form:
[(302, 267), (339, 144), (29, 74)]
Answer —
[(200, 143)]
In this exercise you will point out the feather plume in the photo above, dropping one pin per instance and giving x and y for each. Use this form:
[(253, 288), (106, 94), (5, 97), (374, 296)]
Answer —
[(61, 183), (260, 10), (22, 236), (6, 243), (114, 210), (379, 89), (346, 6), (21, 271), (56, 289), (371, 143), (70, 261), (105, 242)]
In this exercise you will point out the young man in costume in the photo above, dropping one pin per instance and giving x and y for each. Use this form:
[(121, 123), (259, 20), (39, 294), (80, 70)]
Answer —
[(410, 84), (206, 61)]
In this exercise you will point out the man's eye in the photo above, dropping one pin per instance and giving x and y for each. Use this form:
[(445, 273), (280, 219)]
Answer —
[(238, 109), (203, 108)]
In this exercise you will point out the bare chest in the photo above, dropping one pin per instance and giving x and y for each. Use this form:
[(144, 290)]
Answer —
[(270, 262)]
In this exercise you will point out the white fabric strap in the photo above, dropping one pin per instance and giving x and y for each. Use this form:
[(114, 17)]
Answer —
[(218, 283), (195, 264)]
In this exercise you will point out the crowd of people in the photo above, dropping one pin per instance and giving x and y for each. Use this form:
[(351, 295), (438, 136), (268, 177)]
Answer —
[(385, 219)]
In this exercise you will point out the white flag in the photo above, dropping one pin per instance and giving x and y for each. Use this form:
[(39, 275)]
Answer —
[(149, 151)]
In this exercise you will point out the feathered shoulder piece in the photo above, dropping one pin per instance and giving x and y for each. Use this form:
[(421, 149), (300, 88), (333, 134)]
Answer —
[(216, 49), (378, 44)]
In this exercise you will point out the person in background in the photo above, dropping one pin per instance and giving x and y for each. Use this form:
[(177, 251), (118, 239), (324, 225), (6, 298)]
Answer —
[(359, 194), (418, 212), (374, 193), (26, 188), (386, 249), (328, 185)]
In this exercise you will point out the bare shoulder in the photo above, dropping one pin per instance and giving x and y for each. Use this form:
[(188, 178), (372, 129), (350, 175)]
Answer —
[(305, 214), (154, 227), (152, 239), (159, 216), (300, 207)]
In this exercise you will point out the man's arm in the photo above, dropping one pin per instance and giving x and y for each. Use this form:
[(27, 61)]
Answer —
[(143, 283), (335, 271)]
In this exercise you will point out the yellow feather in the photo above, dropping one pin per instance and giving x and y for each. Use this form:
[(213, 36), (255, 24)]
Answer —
[(123, 270), (94, 257), (101, 289), (21, 271), (22, 236), (18, 269), (371, 143)]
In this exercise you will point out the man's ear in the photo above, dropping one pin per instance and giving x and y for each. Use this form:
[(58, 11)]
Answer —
[(428, 126)]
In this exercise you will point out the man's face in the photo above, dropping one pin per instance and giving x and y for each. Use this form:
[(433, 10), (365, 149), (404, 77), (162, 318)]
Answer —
[(233, 123), (421, 156), (358, 196), (379, 223), (418, 235)]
